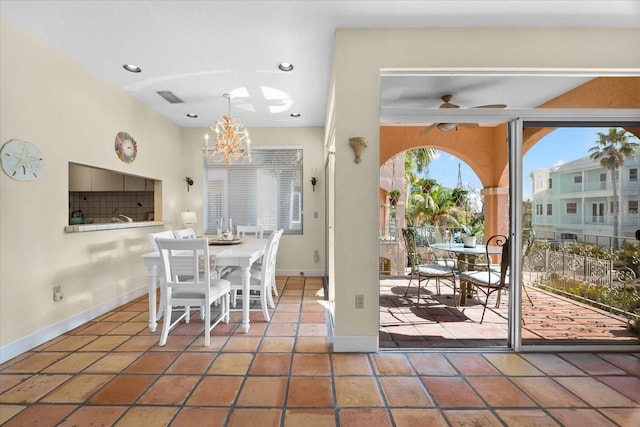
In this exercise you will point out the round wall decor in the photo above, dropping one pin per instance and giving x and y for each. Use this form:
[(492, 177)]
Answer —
[(126, 147), (21, 160)]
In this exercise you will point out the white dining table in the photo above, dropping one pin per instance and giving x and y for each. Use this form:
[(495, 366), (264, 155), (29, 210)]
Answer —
[(242, 255), (468, 255)]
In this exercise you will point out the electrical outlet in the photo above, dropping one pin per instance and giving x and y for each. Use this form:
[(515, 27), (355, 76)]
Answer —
[(359, 301), (57, 293), (316, 256)]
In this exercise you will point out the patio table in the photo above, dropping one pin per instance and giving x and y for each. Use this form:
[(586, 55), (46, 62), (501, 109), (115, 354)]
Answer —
[(466, 257)]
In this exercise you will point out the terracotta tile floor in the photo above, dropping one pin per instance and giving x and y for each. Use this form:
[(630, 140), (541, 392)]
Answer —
[(435, 322), (112, 372)]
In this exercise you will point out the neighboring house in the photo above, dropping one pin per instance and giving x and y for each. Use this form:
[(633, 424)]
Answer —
[(577, 198)]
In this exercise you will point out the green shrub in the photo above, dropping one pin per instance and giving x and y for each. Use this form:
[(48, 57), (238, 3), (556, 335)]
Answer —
[(629, 253)]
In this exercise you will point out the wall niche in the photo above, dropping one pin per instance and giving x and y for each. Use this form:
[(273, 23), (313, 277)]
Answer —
[(101, 196)]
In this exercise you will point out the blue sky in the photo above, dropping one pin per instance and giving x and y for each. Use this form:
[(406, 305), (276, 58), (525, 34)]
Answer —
[(558, 147)]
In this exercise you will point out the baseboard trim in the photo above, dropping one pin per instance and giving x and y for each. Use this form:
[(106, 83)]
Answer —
[(305, 273), (355, 344), (26, 343)]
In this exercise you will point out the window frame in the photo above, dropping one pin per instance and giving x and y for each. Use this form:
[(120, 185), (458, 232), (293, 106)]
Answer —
[(261, 191)]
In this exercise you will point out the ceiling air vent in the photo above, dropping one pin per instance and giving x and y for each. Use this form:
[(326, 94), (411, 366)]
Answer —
[(170, 97)]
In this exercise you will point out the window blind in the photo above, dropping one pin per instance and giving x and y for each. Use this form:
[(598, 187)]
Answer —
[(266, 191)]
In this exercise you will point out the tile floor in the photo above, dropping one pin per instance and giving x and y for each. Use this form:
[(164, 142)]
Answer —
[(112, 372), (437, 323)]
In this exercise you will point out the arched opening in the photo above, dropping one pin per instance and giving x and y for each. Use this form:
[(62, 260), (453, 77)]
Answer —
[(485, 149)]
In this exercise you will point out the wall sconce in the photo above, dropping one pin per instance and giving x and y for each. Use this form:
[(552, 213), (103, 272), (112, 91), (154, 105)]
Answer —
[(358, 143), (189, 182), (314, 178)]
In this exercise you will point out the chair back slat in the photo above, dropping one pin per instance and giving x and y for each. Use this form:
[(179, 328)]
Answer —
[(183, 262)]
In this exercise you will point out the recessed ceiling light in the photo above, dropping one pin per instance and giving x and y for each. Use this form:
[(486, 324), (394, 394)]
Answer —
[(192, 115), (295, 115), (132, 68), (285, 66)]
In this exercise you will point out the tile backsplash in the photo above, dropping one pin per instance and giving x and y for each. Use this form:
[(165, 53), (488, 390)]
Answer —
[(100, 206)]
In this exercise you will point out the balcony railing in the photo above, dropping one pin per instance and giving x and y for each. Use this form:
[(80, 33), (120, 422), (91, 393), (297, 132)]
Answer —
[(558, 262)]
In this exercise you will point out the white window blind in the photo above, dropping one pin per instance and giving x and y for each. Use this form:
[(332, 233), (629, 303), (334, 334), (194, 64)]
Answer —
[(266, 191)]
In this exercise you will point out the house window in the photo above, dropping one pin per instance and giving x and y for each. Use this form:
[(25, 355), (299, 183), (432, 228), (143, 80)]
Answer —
[(577, 179), (633, 174), (549, 209), (550, 182), (538, 209), (572, 207), (266, 191), (613, 207), (633, 206)]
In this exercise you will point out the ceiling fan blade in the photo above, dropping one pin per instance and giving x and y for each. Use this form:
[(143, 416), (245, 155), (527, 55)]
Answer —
[(427, 129), (491, 106)]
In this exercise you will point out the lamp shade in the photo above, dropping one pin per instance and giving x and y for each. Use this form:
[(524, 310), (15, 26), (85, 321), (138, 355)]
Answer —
[(188, 218)]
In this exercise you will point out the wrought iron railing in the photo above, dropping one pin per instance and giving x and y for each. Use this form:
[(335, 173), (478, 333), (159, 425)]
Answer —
[(558, 262)]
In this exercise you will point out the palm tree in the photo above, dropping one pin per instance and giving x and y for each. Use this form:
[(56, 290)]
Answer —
[(419, 159), (611, 149), (435, 208)]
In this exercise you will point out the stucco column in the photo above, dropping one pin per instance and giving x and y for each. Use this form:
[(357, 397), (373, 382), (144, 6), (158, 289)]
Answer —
[(496, 211)]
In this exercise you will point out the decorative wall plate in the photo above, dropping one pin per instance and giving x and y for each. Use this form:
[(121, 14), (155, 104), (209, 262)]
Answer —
[(21, 160), (126, 147)]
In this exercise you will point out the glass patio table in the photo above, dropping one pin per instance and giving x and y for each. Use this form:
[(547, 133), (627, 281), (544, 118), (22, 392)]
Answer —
[(466, 260)]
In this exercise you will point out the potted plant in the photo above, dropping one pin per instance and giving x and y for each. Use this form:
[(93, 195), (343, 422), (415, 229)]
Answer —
[(394, 196), (471, 233), (459, 196), (427, 184)]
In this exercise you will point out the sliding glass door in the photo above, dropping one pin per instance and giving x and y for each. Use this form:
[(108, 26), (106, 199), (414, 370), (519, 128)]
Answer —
[(575, 223)]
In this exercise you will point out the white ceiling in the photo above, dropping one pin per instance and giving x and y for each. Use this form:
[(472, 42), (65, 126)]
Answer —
[(200, 50)]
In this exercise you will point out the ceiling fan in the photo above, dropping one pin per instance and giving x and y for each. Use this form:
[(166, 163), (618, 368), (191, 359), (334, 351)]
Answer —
[(446, 127)]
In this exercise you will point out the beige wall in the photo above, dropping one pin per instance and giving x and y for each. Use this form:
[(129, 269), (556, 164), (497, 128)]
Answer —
[(295, 253), (72, 116), (359, 57)]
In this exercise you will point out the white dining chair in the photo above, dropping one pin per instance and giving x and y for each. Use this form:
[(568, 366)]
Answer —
[(253, 231), (262, 279), (185, 233), (168, 234), (191, 283), (152, 238)]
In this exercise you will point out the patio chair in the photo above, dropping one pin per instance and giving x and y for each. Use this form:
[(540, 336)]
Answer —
[(528, 238), (435, 268), (486, 279)]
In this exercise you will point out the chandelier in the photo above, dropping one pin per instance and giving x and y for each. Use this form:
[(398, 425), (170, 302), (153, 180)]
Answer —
[(232, 139)]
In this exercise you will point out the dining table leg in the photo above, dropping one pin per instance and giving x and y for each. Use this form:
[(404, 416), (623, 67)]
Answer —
[(246, 280), (152, 280)]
